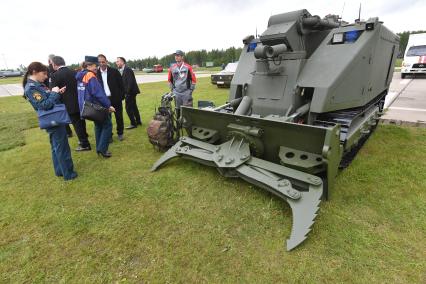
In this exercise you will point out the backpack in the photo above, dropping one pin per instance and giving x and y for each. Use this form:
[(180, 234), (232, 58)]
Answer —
[(161, 129)]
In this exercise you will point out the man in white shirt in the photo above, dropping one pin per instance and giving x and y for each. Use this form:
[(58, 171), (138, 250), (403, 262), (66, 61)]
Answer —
[(110, 79)]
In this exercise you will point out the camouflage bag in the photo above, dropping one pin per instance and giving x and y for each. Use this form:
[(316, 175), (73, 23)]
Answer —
[(160, 129)]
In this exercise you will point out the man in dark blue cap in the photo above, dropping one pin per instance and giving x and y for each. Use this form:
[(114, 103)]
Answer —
[(90, 89), (182, 81)]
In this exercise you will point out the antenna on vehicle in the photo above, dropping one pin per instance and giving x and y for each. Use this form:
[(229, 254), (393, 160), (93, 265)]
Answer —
[(256, 31), (359, 13), (343, 9)]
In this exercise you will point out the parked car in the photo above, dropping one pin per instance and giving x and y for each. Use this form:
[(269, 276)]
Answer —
[(148, 70), (9, 73), (224, 77), (415, 56), (157, 68)]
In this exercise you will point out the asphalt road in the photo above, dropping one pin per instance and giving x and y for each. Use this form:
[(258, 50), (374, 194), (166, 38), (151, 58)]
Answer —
[(409, 106), (10, 90)]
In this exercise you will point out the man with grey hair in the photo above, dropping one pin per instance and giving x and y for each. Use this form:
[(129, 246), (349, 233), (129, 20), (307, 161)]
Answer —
[(50, 70), (49, 59), (65, 77), (48, 83)]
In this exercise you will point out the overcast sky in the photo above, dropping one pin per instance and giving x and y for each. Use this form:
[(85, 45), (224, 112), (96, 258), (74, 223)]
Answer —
[(30, 30)]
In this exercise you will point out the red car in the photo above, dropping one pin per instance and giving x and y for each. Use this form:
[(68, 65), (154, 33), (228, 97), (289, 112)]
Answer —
[(157, 68)]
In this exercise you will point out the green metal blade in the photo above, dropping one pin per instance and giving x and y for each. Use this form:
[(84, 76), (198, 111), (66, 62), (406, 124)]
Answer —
[(304, 211)]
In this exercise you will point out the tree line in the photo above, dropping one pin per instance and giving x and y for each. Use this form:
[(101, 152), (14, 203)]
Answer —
[(195, 57), (198, 57)]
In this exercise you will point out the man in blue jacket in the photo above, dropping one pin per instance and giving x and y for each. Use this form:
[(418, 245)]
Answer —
[(90, 90)]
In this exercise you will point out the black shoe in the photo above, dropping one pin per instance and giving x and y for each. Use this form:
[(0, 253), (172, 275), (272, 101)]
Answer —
[(120, 137), (131, 126), (81, 148), (105, 154), (139, 123)]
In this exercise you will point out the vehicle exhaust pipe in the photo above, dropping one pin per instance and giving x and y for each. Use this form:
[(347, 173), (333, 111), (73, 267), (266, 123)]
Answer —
[(244, 106)]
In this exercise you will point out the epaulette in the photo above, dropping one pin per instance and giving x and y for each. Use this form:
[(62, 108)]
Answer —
[(87, 77)]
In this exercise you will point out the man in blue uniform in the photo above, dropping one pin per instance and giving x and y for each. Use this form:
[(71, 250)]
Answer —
[(90, 90)]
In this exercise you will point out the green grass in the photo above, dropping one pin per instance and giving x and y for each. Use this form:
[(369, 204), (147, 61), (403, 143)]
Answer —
[(211, 69), (398, 62), (118, 222), (11, 80), (15, 116)]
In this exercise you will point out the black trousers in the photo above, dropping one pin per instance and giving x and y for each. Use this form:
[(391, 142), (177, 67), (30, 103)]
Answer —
[(132, 110), (68, 129), (119, 117), (80, 128)]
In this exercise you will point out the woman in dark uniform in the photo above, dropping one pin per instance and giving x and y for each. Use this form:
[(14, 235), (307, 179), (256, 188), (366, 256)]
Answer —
[(42, 99)]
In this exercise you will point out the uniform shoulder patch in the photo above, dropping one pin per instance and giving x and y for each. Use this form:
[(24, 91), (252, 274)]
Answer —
[(87, 77), (37, 96)]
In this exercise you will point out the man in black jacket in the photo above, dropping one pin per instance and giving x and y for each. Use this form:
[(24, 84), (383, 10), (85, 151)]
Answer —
[(131, 89), (50, 71), (65, 77), (48, 83), (112, 82)]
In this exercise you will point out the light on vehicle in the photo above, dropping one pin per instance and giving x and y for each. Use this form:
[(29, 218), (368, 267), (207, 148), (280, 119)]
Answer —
[(252, 46), (338, 38), (369, 26), (352, 36)]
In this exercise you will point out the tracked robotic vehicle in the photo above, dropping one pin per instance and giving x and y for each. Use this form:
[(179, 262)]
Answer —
[(305, 96)]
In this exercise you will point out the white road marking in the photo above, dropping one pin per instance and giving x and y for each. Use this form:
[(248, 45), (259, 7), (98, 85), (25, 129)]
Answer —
[(408, 108), (390, 98)]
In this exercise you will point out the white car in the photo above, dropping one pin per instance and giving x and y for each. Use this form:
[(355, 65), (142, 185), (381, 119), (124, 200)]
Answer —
[(415, 56)]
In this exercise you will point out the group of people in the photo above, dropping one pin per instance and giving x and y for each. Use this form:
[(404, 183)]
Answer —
[(101, 84)]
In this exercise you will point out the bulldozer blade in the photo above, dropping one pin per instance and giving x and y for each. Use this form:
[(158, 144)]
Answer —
[(275, 178), (304, 204), (170, 154), (304, 211)]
